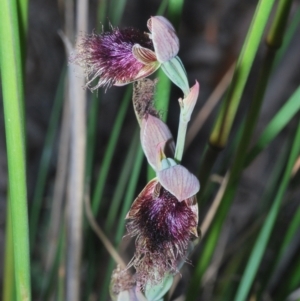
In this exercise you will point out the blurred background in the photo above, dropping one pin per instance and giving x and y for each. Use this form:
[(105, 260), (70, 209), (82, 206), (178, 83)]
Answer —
[(211, 35)]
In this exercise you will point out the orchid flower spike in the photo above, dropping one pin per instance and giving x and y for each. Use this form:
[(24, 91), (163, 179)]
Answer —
[(158, 145), (121, 56), (164, 216)]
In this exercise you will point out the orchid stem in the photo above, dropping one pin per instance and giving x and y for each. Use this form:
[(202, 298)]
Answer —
[(182, 128)]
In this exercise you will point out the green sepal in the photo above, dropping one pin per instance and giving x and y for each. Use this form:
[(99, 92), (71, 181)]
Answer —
[(156, 292), (167, 163), (175, 70)]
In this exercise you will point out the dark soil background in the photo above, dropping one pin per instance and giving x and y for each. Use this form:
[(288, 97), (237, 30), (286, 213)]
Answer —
[(211, 34)]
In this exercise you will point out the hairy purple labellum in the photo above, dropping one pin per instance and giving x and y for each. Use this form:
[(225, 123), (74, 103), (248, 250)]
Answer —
[(117, 57), (163, 227)]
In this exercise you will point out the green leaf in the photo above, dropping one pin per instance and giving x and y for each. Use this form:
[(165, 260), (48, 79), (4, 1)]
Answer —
[(264, 235), (175, 71), (156, 292)]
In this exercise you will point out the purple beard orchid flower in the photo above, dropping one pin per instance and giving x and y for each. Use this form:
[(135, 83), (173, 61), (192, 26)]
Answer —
[(121, 56), (164, 216)]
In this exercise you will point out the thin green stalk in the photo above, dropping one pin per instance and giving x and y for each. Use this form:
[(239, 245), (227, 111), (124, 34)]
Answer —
[(288, 36), (266, 201), (260, 246), (116, 10), (128, 198), (239, 157), (61, 273), (290, 282), (101, 13), (23, 16), (222, 128), (275, 126), (23, 24), (8, 284), (45, 159), (162, 8), (290, 234), (131, 189), (107, 160), (180, 140), (92, 120), (122, 185), (50, 278), (175, 11), (281, 253), (76, 176), (13, 95)]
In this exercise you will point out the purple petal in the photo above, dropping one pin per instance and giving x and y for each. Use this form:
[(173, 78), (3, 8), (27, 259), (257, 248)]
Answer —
[(109, 56), (179, 181)]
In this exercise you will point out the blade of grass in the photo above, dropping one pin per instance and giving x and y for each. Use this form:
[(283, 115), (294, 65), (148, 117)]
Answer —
[(131, 189), (247, 238), (107, 160), (8, 283), (116, 10), (128, 199), (282, 252), (261, 242), (122, 185), (45, 159), (77, 99), (60, 183), (118, 197), (219, 137), (208, 106), (50, 278), (290, 32), (92, 121), (13, 94), (101, 235), (222, 128), (276, 125), (93, 112), (175, 11), (290, 282)]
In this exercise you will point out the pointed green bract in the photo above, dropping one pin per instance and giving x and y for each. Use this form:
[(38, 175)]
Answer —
[(156, 292), (175, 70)]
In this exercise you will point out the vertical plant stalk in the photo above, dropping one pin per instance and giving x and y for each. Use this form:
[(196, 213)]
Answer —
[(8, 283), (222, 128), (45, 161), (101, 235), (208, 106), (13, 95), (60, 183), (77, 100), (108, 156), (180, 142), (264, 235), (75, 188), (248, 129)]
